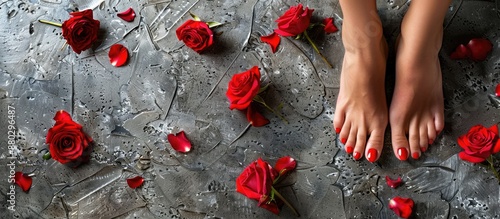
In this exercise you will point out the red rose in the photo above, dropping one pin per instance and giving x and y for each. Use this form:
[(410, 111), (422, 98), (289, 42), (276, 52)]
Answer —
[(196, 35), (80, 31), (294, 21), (67, 142), (479, 143), (255, 182), (242, 88)]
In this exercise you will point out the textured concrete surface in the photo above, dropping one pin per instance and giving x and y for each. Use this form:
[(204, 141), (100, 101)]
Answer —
[(164, 88)]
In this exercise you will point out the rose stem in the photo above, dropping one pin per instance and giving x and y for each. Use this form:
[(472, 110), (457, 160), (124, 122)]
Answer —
[(259, 99), (490, 161), (316, 49), (284, 200), (50, 22)]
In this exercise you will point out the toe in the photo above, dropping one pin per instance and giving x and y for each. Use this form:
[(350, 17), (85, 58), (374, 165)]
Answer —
[(375, 144), (344, 133), (424, 138), (360, 140), (439, 122), (338, 120), (351, 140), (431, 132), (414, 140), (399, 142)]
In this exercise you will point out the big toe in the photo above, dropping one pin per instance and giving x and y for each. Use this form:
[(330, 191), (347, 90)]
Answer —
[(400, 143), (374, 145)]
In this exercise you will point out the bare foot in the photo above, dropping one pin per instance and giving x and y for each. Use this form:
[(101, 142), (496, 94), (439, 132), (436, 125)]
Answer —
[(417, 105), (361, 111)]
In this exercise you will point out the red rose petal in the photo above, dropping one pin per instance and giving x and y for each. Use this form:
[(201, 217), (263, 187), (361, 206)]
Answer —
[(479, 48), (179, 142), (128, 15), (403, 207), (329, 25), (255, 118), (285, 165), (273, 40), (62, 115), (135, 182), (461, 52), (118, 55), (497, 90), (24, 181), (393, 183), (464, 156)]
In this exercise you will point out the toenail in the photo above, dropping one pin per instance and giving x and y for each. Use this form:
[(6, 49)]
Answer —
[(423, 149), (372, 155), (349, 149), (431, 141), (343, 140), (337, 130), (402, 153), (356, 155), (415, 155)]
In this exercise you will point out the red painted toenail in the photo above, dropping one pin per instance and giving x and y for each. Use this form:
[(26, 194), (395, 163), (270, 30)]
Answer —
[(337, 130), (415, 155), (356, 155), (349, 149), (343, 140), (431, 141), (402, 153), (424, 149), (372, 155)]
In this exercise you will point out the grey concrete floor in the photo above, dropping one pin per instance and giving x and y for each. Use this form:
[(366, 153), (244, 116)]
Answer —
[(164, 88)]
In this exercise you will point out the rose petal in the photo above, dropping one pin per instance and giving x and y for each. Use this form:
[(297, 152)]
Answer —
[(479, 48), (464, 156), (285, 165), (403, 207), (179, 142), (135, 182), (24, 181), (329, 25), (461, 52), (497, 90), (393, 183), (128, 15), (62, 115), (118, 55), (273, 40), (255, 118)]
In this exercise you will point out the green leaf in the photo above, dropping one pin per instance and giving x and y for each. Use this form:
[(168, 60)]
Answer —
[(212, 24), (196, 18), (47, 156)]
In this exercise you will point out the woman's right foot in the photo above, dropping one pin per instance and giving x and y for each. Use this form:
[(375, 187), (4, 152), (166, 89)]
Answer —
[(361, 114)]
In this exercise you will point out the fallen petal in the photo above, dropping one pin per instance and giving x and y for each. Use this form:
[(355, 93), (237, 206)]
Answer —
[(24, 181), (393, 183), (497, 90), (135, 182), (128, 15), (255, 118), (479, 48), (403, 207), (285, 165), (461, 52), (273, 40), (179, 142), (118, 55), (329, 25)]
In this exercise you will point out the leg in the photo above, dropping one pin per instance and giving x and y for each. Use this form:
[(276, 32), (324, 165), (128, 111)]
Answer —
[(361, 111), (417, 105)]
